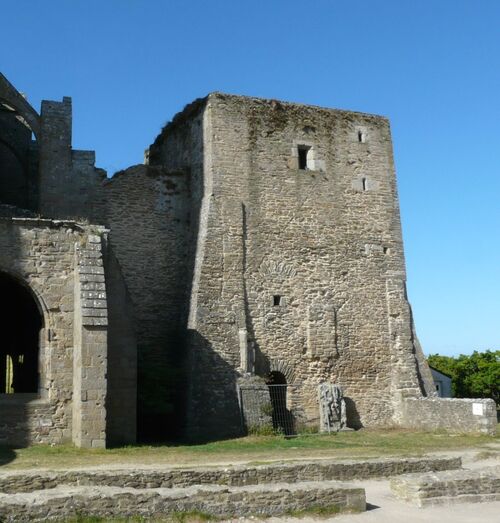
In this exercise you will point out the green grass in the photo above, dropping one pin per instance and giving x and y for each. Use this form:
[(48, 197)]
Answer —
[(196, 516), (345, 445), (193, 516)]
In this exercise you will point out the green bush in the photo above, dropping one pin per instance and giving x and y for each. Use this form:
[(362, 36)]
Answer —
[(474, 376)]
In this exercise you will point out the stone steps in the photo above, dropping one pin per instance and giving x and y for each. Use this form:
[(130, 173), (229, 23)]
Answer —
[(322, 470), (471, 486), (277, 499)]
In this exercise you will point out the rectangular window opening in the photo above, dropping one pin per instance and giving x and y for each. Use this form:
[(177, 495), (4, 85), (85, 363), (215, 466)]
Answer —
[(361, 137), (276, 300), (364, 184), (304, 156)]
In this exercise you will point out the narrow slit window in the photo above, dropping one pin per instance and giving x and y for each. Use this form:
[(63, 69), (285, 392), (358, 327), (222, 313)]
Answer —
[(276, 300), (304, 156), (361, 137), (364, 184)]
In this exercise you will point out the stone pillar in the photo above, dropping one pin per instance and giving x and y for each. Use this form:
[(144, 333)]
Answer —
[(90, 347), (255, 404), (55, 156)]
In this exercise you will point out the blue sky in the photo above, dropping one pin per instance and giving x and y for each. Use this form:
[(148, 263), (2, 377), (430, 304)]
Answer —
[(432, 67)]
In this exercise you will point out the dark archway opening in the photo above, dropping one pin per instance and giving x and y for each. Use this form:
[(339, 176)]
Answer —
[(18, 160), (20, 324), (281, 417), (13, 178)]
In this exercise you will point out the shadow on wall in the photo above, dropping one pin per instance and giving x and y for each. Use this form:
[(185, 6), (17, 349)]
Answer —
[(213, 410), (21, 321), (352, 414), (121, 398), (7, 455), (162, 389)]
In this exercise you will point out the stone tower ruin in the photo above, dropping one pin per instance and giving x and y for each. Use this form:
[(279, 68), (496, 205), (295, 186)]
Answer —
[(259, 241)]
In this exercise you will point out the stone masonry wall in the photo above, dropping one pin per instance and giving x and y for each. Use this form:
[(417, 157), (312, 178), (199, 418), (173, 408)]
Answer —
[(239, 475), (69, 184), (90, 345), (121, 398), (211, 338), (454, 486), (40, 253), (148, 215), (302, 268), (454, 414), (222, 502), (260, 237)]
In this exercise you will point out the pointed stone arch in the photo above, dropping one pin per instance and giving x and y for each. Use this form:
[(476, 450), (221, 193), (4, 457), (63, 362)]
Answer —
[(12, 98)]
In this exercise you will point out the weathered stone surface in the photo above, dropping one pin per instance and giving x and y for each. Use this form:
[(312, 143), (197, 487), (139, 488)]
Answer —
[(332, 408), (260, 237), (42, 253), (468, 486), (259, 500), (453, 414), (324, 470), (255, 403), (267, 230)]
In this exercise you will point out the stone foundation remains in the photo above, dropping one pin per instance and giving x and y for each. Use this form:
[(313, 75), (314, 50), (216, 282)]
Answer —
[(466, 486), (223, 502), (324, 470)]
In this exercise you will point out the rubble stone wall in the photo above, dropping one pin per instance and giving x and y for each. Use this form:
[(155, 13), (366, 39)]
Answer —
[(223, 502), (453, 414), (303, 268), (40, 254), (326, 470), (69, 184), (452, 486), (148, 216)]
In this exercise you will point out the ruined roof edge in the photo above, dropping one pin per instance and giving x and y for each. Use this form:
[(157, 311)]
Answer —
[(179, 118), (219, 94), (199, 104)]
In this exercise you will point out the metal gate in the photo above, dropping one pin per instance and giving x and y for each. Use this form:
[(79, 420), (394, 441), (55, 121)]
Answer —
[(266, 409)]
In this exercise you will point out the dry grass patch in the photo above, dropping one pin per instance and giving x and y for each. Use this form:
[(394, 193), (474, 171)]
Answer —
[(254, 449)]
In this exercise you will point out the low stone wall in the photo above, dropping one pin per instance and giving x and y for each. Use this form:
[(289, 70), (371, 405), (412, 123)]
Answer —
[(449, 486), (24, 481), (227, 502), (453, 414), (25, 419)]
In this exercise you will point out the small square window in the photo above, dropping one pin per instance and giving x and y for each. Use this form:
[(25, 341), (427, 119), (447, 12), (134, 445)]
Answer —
[(276, 300), (304, 153)]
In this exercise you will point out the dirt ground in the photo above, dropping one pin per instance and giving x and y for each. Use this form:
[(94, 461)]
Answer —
[(383, 507)]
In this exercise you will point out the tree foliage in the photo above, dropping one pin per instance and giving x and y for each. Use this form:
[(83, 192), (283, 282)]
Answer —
[(474, 376)]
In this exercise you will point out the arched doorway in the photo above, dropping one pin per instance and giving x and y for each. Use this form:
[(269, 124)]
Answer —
[(281, 417), (20, 324)]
